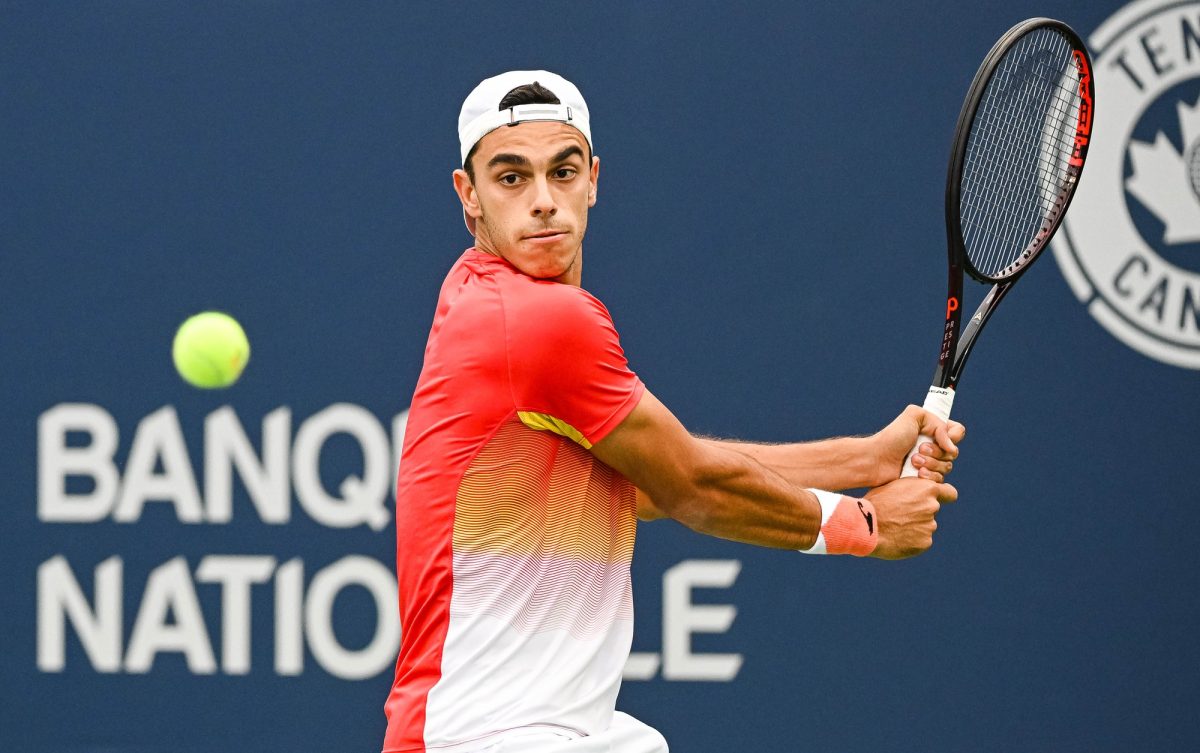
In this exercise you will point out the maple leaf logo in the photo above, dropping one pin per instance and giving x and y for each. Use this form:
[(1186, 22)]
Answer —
[(1166, 183)]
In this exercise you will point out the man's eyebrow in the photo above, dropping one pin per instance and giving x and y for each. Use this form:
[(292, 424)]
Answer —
[(569, 151), (508, 159)]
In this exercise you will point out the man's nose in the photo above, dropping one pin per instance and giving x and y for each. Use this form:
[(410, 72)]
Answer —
[(543, 199)]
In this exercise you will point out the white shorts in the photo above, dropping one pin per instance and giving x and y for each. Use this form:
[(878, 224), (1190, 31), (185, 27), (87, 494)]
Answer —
[(625, 735)]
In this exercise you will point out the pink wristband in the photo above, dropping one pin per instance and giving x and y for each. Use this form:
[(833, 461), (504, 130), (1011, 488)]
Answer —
[(848, 525)]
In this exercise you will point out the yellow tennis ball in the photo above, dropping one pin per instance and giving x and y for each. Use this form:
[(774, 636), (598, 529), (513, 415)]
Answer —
[(210, 350)]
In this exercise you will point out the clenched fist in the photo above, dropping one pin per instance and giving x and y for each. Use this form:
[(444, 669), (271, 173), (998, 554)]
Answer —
[(906, 510)]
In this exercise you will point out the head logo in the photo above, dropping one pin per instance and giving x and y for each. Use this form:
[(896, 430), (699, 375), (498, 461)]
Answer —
[(1130, 246)]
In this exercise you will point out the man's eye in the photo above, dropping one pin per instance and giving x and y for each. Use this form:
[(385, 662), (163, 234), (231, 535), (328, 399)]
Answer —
[(510, 179), (564, 173)]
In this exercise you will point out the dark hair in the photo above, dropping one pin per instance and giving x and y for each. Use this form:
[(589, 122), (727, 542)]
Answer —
[(529, 94), (526, 94)]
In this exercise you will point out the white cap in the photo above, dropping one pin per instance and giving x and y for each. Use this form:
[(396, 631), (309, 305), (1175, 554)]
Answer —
[(481, 113)]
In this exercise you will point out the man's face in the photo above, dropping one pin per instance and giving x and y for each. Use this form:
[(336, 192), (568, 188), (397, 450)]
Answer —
[(530, 197)]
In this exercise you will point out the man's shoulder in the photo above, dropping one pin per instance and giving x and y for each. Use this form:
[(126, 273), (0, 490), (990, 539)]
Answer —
[(482, 292), (544, 305), (547, 292)]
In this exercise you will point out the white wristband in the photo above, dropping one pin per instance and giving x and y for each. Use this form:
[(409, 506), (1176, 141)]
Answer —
[(828, 501)]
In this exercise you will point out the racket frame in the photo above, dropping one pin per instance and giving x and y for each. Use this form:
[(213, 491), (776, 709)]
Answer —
[(957, 341)]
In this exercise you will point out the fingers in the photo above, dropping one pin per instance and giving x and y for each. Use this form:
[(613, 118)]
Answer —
[(929, 468), (937, 457), (945, 434), (933, 476), (946, 493), (925, 459), (941, 436), (956, 431)]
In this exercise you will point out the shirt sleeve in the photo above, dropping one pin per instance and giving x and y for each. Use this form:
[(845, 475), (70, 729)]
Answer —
[(566, 364)]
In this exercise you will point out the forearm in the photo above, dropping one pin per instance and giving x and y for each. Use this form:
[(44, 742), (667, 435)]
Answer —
[(833, 464), (713, 488), (740, 499)]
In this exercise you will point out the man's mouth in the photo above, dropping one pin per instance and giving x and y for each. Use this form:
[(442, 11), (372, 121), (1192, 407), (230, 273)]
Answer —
[(546, 234)]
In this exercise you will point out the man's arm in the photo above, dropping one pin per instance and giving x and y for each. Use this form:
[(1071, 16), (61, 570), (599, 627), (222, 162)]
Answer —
[(860, 462), (849, 462), (720, 491)]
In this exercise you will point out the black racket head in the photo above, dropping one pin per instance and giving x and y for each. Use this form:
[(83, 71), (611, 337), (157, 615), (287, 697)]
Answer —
[(1019, 149)]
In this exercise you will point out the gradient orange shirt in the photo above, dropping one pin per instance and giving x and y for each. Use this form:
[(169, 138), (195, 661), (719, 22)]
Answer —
[(513, 541)]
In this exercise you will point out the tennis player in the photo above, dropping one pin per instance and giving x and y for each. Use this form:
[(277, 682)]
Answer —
[(532, 449)]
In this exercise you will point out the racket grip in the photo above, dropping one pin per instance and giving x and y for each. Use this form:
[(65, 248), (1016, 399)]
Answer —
[(938, 401)]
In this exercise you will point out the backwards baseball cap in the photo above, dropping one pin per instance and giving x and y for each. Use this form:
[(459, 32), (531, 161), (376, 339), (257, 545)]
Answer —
[(481, 113)]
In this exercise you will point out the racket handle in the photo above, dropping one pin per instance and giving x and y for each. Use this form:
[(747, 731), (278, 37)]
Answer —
[(938, 402)]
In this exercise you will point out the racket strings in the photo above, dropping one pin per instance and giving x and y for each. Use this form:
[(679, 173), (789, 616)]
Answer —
[(1026, 75), (1008, 225), (1017, 163)]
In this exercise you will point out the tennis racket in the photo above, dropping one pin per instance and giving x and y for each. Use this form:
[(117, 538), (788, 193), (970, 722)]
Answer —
[(1019, 148)]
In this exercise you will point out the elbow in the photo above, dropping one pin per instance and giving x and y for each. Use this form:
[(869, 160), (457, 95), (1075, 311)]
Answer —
[(695, 500), (682, 504), (691, 512)]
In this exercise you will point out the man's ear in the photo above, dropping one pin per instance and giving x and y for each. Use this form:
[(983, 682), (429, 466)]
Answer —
[(467, 194), (593, 179)]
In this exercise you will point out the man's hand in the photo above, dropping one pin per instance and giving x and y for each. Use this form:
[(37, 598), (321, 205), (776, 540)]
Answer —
[(933, 460), (905, 510)]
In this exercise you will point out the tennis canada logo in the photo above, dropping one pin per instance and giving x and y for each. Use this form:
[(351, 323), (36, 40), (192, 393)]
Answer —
[(1130, 245)]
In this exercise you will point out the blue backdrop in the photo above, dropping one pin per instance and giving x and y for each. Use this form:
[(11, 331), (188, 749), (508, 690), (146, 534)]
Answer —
[(191, 571)]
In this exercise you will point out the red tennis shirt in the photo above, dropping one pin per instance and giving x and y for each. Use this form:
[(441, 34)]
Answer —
[(513, 540)]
